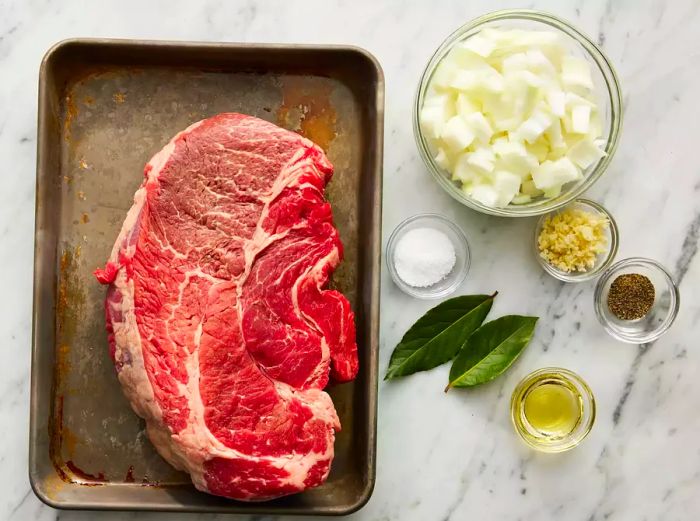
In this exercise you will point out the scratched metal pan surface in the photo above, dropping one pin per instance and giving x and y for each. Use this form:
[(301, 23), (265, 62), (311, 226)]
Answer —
[(105, 107)]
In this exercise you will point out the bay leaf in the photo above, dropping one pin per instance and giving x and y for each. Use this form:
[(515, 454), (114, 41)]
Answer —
[(490, 350), (438, 335)]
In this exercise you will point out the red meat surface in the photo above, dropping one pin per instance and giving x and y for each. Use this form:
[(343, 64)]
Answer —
[(220, 328)]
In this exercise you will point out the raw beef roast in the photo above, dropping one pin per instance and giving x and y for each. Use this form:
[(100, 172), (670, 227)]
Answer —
[(220, 329)]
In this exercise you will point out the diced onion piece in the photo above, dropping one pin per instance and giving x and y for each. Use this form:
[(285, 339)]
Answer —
[(555, 153), (478, 81), (524, 93), (576, 72), (519, 40), (442, 100), (436, 111), (551, 174), (465, 105), (482, 160), (555, 137), (443, 75), (464, 80), (529, 188), (463, 171), (431, 121), (539, 63), (480, 126), (502, 113), (539, 148), (529, 78), (584, 153), (573, 100), (479, 45), (443, 159), (514, 62), (507, 149), (556, 100), (595, 129), (521, 199), (534, 126), (580, 119), (464, 57), (507, 186), (552, 192), (456, 134), (485, 194), (514, 157), (491, 81)]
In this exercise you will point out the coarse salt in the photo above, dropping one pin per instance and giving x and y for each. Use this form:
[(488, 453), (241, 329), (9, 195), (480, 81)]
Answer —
[(423, 257)]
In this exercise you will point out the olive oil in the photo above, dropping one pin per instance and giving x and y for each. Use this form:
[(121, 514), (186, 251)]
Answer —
[(552, 409)]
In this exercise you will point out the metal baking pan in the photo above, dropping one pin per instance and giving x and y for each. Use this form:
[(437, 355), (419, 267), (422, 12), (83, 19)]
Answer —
[(105, 107)]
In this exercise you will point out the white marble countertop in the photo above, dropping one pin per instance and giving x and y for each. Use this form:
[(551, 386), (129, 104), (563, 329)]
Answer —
[(442, 456)]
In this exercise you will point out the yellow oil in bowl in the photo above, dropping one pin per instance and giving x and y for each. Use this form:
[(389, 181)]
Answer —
[(553, 409)]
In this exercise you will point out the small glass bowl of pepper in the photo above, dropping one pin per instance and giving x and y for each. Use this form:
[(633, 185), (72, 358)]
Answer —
[(636, 300)]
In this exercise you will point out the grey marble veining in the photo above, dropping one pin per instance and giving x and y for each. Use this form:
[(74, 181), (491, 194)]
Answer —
[(454, 456)]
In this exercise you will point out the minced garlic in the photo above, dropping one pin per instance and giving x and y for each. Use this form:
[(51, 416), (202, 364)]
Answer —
[(571, 239)]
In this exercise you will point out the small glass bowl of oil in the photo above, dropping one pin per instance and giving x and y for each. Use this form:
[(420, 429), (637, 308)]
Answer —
[(552, 409)]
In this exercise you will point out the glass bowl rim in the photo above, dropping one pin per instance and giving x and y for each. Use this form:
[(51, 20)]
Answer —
[(614, 92), (421, 293), (653, 334), (602, 266)]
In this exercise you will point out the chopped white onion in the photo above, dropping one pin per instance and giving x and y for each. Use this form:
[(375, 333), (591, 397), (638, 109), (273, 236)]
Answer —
[(456, 134), (511, 114), (585, 153)]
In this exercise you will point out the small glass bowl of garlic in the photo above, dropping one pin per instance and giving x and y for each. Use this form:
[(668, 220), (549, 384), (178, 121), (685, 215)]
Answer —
[(577, 242), (517, 113)]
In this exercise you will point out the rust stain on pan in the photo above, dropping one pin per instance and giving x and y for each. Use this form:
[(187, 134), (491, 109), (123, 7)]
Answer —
[(56, 436), (70, 303), (63, 441), (71, 111), (145, 482), (81, 474), (306, 108), (69, 441), (71, 297), (129, 478), (70, 104), (54, 484), (62, 359)]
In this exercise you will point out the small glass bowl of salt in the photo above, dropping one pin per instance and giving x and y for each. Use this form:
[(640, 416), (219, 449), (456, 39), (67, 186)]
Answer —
[(428, 256)]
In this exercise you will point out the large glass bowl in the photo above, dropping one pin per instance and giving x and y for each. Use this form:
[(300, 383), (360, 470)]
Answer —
[(607, 89)]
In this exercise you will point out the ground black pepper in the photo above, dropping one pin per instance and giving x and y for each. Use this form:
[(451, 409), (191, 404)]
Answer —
[(631, 296)]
